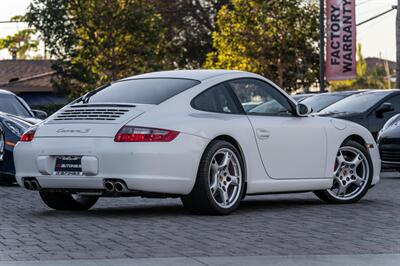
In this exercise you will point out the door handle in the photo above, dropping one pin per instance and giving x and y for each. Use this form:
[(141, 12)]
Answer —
[(263, 134)]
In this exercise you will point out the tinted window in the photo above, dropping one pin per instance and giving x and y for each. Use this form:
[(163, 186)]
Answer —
[(216, 99), (357, 103), (144, 91), (319, 102), (258, 97), (395, 101), (10, 104)]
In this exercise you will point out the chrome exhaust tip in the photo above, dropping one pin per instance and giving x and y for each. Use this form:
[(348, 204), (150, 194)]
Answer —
[(120, 187), (109, 186), (27, 184), (35, 185)]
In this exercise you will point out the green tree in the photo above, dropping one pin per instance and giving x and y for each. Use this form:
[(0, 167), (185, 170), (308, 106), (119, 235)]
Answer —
[(189, 26), (21, 42), (373, 79), (98, 41), (277, 39)]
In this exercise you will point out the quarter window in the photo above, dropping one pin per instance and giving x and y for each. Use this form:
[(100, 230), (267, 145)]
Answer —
[(260, 98), (216, 99)]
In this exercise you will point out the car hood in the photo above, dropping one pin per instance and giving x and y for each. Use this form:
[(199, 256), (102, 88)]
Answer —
[(338, 114)]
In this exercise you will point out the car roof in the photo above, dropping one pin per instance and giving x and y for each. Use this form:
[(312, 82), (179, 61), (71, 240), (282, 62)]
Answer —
[(198, 74), (6, 92), (386, 91), (367, 91)]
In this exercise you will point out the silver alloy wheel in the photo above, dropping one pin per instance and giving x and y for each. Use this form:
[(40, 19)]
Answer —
[(2, 144), (225, 178), (351, 173)]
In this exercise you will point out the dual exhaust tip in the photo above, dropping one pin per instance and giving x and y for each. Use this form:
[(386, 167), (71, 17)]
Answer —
[(31, 184), (112, 186)]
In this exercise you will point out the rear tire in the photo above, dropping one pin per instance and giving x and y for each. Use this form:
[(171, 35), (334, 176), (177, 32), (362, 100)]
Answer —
[(67, 201), (352, 177), (7, 180), (220, 182)]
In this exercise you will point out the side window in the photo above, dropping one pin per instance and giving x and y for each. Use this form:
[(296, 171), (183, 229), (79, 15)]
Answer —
[(395, 101), (260, 98), (216, 99)]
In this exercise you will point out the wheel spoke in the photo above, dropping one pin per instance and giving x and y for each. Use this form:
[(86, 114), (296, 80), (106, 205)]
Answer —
[(341, 190), (214, 166), (214, 186), (340, 158), (226, 159), (359, 181), (357, 160), (234, 180), (224, 196)]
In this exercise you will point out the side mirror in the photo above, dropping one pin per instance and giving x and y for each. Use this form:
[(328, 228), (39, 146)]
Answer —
[(303, 109), (384, 108), (40, 114)]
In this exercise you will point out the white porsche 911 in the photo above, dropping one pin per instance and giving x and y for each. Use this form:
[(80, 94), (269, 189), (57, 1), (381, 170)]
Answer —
[(192, 134)]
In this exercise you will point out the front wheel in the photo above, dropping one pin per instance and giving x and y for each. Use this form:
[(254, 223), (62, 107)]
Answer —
[(352, 176), (68, 201), (219, 184)]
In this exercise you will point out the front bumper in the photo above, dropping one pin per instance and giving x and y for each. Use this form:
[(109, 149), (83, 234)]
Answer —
[(169, 167), (390, 154)]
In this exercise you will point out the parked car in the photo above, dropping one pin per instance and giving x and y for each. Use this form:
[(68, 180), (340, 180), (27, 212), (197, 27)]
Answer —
[(12, 104), (186, 134), (15, 118), (323, 100), (11, 129), (370, 109), (389, 143)]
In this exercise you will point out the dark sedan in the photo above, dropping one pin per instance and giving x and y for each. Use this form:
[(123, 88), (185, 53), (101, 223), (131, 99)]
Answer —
[(370, 109), (319, 102), (15, 118), (389, 143)]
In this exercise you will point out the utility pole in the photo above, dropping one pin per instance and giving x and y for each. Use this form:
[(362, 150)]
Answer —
[(398, 45), (322, 45)]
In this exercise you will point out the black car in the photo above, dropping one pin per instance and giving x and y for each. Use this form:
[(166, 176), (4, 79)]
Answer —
[(371, 109), (319, 102), (389, 143), (15, 118)]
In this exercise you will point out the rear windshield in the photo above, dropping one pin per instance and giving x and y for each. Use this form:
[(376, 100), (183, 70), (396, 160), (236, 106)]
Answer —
[(141, 91)]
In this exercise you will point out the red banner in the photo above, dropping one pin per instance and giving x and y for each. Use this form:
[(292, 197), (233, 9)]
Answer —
[(341, 39)]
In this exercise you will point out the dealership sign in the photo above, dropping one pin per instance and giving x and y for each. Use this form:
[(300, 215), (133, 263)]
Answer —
[(341, 40)]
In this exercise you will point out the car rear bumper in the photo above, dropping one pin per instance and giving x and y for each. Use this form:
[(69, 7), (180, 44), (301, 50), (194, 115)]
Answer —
[(169, 167)]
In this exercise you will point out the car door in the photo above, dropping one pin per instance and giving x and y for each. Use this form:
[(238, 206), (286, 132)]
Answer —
[(376, 122), (290, 146)]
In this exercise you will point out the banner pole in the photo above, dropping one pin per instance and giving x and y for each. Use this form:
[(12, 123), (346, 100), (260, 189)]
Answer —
[(322, 46)]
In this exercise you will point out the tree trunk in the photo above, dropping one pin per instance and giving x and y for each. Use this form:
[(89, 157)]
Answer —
[(398, 45)]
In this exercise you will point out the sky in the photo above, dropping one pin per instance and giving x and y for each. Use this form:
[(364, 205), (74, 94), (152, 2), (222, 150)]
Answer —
[(377, 37)]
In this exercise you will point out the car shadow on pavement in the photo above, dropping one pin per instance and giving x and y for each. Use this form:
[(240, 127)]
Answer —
[(149, 210)]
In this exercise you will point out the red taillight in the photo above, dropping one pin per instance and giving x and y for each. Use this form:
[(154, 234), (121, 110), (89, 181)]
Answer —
[(28, 135), (144, 134)]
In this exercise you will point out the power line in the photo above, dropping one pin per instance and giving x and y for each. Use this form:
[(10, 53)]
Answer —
[(377, 16)]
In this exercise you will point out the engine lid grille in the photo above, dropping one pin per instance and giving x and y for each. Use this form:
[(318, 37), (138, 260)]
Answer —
[(94, 113)]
